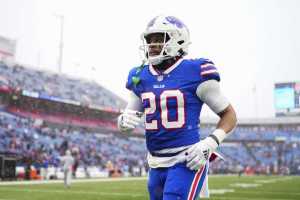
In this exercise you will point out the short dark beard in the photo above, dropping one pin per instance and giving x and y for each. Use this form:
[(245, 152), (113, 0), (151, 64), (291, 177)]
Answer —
[(165, 64)]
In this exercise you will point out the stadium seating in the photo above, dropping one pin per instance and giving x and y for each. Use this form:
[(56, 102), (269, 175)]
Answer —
[(45, 144), (254, 148), (62, 86)]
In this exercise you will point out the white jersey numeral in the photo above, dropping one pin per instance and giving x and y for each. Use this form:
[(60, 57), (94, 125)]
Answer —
[(180, 120), (164, 112), (150, 110)]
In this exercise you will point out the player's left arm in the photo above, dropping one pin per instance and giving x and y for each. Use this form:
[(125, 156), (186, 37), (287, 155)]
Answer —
[(210, 93), (227, 120)]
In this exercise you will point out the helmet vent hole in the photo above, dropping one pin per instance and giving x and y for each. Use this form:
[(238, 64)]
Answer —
[(180, 42), (181, 52)]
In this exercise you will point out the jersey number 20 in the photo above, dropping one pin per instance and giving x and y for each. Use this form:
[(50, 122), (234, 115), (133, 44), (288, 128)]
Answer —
[(163, 100)]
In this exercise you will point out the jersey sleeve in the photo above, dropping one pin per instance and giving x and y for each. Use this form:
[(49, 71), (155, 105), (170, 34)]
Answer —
[(208, 70), (130, 85)]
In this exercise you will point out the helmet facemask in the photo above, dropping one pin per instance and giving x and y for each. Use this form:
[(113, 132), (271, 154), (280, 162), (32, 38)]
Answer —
[(155, 46)]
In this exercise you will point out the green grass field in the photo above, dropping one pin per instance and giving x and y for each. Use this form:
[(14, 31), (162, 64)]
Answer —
[(221, 187)]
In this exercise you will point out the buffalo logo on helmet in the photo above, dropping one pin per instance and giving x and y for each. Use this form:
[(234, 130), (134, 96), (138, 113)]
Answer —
[(175, 21)]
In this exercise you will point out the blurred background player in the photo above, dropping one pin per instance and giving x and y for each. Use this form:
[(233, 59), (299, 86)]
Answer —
[(67, 162), (170, 91)]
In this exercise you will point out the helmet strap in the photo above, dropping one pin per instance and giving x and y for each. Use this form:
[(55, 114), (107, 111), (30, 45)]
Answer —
[(165, 64)]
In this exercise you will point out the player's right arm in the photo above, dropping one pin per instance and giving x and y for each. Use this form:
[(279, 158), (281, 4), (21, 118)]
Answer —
[(131, 117)]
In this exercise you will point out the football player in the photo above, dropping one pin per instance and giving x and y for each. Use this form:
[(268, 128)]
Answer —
[(170, 92)]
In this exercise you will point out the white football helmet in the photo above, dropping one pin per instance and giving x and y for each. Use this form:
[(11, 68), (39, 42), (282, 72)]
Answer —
[(176, 42)]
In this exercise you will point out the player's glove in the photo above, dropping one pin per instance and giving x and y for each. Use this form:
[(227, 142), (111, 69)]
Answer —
[(198, 154), (128, 120)]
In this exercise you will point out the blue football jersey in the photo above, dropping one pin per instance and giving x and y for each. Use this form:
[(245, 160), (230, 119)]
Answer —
[(171, 105)]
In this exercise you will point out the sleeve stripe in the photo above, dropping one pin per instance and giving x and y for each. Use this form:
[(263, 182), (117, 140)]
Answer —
[(206, 65), (209, 72), (211, 67)]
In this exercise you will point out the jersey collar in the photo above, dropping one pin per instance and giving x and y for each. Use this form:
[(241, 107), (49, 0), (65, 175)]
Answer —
[(167, 71)]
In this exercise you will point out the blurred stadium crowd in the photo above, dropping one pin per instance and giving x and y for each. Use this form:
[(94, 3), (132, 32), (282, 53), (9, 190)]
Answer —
[(80, 116), (260, 149), (51, 84), (42, 146)]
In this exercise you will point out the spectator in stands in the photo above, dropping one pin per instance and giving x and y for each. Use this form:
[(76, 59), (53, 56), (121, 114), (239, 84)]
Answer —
[(61, 86), (67, 162), (33, 142)]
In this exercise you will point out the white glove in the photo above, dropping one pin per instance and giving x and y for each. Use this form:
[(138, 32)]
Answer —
[(128, 120), (198, 154)]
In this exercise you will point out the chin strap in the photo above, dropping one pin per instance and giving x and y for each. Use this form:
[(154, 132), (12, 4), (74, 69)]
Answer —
[(167, 63)]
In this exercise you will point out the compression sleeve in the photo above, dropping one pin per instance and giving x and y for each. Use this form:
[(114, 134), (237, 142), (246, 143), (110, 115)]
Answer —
[(134, 102), (210, 93)]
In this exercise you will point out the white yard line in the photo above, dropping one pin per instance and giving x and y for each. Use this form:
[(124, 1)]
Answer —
[(258, 183), (247, 198), (68, 191), (220, 191), (266, 192), (73, 181), (274, 180), (245, 185)]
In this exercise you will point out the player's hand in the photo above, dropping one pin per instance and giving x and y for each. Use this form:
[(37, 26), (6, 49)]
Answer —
[(128, 120), (198, 154)]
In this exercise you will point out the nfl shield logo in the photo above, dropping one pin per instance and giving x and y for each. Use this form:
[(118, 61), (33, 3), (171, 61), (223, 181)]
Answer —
[(160, 78)]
